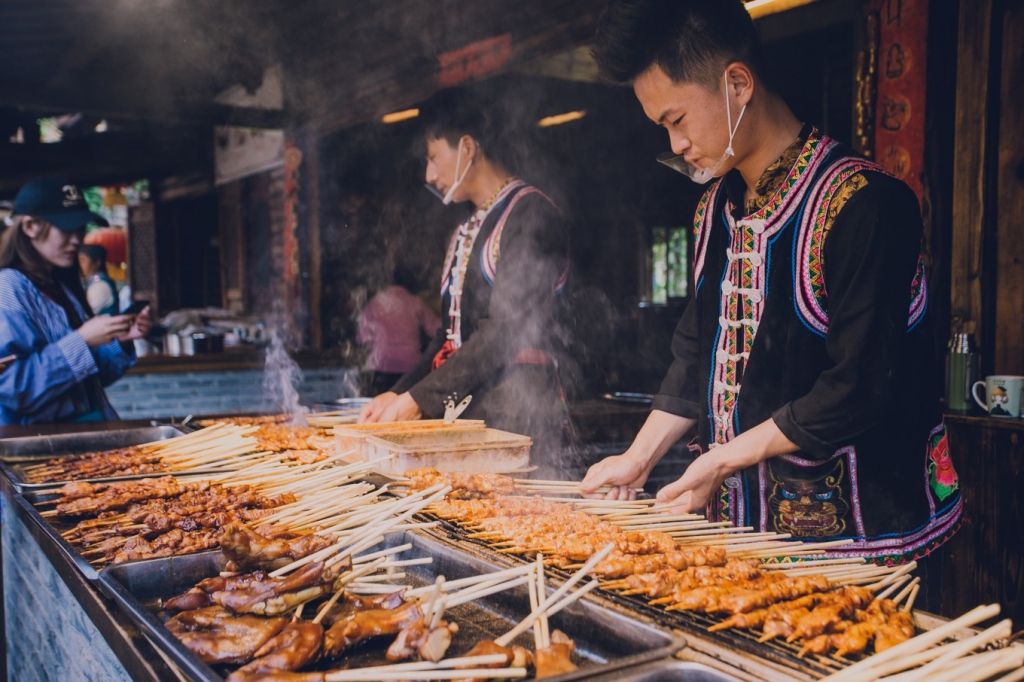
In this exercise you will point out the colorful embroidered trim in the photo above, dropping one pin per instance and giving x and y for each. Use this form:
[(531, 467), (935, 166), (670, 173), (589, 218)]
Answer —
[(744, 286), (449, 259), (490, 254), (811, 297), (702, 223), (913, 545)]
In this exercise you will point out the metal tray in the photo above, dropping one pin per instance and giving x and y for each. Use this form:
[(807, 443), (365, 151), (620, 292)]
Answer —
[(16, 453), (606, 641)]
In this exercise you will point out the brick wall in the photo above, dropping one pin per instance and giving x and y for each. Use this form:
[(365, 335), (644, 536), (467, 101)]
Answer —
[(166, 395), (48, 634)]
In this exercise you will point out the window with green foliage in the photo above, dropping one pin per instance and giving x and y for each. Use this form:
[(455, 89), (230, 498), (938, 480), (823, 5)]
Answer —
[(669, 263)]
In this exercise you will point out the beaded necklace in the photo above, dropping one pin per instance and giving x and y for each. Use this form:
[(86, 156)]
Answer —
[(468, 232)]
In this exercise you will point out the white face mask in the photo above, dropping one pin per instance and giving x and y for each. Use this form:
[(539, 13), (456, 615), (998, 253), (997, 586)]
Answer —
[(702, 176), (450, 194)]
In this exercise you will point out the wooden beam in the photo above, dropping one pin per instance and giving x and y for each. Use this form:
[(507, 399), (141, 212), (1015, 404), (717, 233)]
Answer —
[(186, 113), (399, 82), (110, 157), (1009, 321), (972, 218)]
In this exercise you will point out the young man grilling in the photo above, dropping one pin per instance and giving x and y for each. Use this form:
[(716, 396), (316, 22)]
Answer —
[(503, 269), (803, 357)]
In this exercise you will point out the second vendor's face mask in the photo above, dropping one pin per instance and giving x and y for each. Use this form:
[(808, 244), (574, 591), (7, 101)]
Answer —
[(704, 174), (438, 158)]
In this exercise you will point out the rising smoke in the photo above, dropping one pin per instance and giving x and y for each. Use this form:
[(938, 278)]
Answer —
[(281, 374)]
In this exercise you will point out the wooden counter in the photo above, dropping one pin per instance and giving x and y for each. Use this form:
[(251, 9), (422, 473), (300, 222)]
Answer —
[(984, 562), (232, 359), (28, 430)]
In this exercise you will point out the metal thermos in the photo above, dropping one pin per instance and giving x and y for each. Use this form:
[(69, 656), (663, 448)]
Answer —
[(961, 372)]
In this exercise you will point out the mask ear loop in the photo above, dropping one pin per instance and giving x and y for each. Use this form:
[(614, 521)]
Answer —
[(447, 199), (728, 112)]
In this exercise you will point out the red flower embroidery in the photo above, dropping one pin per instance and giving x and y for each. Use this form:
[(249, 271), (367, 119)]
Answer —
[(945, 473)]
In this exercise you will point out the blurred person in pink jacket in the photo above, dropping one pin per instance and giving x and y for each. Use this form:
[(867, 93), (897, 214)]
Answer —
[(393, 325)]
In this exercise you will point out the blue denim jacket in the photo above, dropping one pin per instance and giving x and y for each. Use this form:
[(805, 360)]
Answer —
[(45, 382)]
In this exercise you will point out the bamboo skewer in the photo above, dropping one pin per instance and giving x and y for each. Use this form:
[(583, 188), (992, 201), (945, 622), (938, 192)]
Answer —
[(480, 591), (1013, 677), (542, 622), (340, 550), (907, 591), (534, 603), (382, 578), (363, 558), (896, 584), (994, 662), (434, 594), (344, 580), (909, 606), (494, 577), (951, 652), (557, 594)]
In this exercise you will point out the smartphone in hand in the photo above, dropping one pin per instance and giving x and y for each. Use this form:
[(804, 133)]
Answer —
[(135, 308)]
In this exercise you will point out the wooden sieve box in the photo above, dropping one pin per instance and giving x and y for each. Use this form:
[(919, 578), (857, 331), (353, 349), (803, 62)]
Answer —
[(468, 450), (350, 439)]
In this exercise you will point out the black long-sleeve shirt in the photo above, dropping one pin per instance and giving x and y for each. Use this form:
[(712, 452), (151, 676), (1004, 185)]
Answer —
[(810, 309), (519, 260)]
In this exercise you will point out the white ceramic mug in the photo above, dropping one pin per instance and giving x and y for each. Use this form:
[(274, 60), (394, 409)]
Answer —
[(1003, 395)]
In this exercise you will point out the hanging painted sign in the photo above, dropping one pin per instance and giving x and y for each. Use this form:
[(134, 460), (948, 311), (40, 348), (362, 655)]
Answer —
[(474, 60), (900, 104)]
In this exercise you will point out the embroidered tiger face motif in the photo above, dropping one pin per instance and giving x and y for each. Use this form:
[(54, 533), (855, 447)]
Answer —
[(808, 503)]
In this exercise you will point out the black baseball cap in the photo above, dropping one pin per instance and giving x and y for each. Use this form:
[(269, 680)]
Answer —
[(57, 201)]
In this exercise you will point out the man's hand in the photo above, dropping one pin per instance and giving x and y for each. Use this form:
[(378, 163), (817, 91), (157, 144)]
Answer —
[(631, 469), (623, 472), (103, 329), (691, 492), (140, 327), (403, 408), (703, 477), (371, 412)]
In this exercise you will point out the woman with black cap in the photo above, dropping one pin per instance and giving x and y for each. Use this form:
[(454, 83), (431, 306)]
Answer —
[(62, 355)]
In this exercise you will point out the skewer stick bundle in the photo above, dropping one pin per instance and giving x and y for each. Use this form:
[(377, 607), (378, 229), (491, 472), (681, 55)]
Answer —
[(551, 599), (864, 669), (488, 578)]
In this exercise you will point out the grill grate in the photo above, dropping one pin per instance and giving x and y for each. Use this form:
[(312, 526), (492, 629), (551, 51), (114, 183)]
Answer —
[(774, 651)]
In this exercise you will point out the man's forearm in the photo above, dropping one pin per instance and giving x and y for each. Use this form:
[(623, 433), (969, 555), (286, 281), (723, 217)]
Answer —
[(659, 433), (754, 446)]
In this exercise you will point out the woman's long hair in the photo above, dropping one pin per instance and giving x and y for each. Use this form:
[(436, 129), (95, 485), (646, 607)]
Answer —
[(18, 252)]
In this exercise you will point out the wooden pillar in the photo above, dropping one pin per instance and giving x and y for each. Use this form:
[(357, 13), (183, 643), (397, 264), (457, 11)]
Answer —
[(973, 219), (230, 219), (1009, 275), (312, 165), (142, 254)]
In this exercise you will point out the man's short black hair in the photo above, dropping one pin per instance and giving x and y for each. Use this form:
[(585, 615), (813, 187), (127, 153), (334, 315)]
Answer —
[(455, 112), (691, 40)]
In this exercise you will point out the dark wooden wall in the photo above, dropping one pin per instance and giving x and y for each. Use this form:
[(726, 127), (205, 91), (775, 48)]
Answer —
[(987, 274), (984, 562), (1009, 324)]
